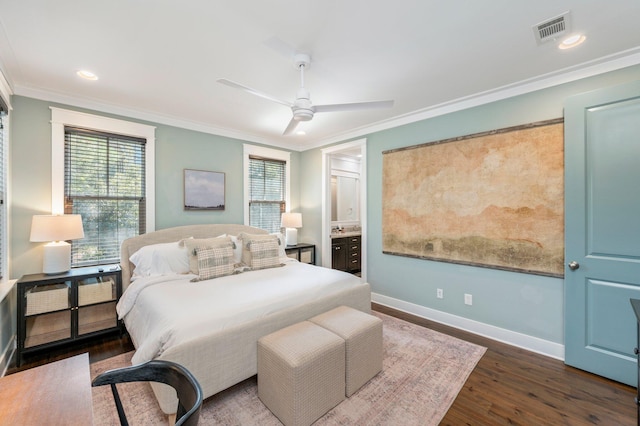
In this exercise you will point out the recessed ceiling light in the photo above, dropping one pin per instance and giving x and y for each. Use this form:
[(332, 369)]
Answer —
[(87, 75), (572, 41)]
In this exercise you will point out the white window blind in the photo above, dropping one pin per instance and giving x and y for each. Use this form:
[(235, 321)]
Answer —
[(3, 190), (105, 183), (267, 192)]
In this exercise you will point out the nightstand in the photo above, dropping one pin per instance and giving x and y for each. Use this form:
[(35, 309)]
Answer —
[(303, 252), (61, 309)]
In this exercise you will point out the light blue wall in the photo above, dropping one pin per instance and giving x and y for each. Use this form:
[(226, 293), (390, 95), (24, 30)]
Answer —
[(311, 200), (523, 303), (176, 149)]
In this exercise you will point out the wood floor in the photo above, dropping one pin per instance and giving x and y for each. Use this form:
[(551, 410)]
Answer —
[(512, 386), (98, 348), (509, 386)]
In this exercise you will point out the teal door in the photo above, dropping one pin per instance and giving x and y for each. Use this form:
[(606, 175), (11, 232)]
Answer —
[(602, 230)]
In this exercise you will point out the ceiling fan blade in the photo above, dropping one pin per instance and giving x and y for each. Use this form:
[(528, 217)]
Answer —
[(355, 106), (291, 127), (253, 91)]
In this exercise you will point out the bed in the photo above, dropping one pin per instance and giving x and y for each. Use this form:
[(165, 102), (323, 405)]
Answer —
[(211, 326)]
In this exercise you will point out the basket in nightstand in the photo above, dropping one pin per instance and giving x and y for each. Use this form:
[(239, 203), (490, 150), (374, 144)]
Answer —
[(47, 298), (96, 292)]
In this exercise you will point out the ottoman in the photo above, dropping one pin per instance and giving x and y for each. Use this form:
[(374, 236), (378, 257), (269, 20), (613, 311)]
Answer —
[(301, 372), (363, 338)]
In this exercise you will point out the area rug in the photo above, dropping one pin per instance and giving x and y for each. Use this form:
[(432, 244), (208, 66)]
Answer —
[(423, 371)]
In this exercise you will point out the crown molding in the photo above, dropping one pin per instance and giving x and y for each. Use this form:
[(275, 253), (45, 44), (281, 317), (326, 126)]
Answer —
[(588, 69), (151, 117), (5, 90)]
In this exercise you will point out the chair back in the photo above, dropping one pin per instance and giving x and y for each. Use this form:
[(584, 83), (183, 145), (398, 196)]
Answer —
[(187, 388)]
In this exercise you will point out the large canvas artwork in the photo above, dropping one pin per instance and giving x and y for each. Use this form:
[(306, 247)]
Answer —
[(494, 199)]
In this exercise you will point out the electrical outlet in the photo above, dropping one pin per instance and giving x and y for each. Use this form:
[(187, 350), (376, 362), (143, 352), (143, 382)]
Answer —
[(468, 299), (439, 293)]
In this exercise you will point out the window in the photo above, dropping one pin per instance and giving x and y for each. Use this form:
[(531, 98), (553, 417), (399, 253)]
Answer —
[(105, 184), (102, 169), (3, 189), (267, 187), (266, 193)]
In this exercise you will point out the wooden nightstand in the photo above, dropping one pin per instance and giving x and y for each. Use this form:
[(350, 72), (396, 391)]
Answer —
[(61, 309), (304, 252)]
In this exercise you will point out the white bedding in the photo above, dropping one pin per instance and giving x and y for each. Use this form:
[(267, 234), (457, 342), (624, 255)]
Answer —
[(161, 312)]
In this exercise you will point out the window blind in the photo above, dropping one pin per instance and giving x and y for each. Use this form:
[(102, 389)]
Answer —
[(267, 192), (3, 192), (105, 183)]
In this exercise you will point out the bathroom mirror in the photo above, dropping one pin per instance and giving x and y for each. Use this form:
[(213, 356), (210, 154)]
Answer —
[(345, 198)]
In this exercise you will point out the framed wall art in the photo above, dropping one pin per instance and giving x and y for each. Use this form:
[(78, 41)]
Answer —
[(493, 199), (203, 190)]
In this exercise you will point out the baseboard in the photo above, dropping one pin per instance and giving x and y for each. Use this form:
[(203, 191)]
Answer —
[(530, 343), (6, 356)]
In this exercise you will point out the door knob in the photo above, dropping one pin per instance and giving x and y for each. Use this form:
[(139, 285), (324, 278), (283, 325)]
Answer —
[(574, 265)]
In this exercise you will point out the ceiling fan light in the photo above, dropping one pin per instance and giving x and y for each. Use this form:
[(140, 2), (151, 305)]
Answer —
[(303, 114)]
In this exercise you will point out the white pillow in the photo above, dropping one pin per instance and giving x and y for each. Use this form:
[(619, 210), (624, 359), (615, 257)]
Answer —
[(282, 241), (160, 259), (237, 248)]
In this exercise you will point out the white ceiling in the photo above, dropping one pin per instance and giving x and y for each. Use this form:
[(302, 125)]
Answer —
[(159, 59)]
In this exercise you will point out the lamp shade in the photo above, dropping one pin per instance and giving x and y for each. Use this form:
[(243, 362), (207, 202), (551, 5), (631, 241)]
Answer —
[(292, 220), (56, 227)]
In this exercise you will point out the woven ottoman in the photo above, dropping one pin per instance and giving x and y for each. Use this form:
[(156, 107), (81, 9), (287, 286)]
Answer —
[(363, 338), (301, 372)]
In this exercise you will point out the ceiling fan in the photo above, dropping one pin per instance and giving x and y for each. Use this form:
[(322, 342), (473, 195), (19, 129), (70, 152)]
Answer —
[(302, 108)]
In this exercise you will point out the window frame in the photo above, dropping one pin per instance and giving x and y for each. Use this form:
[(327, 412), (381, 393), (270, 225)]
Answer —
[(4, 189), (267, 153), (62, 117), (5, 94)]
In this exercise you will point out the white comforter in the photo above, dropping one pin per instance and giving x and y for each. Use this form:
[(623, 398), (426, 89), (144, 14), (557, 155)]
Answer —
[(160, 312)]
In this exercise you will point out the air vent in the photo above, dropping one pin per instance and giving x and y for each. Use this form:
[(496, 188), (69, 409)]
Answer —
[(553, 28)]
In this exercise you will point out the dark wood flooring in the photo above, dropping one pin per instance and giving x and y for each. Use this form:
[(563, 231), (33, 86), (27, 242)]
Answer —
[(512, 386), (509, 386), (99, 348)]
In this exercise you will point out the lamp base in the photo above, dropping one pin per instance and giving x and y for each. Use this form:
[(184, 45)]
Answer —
[(292, 236), (57, 257)]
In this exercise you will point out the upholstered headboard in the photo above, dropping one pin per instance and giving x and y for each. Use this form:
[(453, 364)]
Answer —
[(168, 235)]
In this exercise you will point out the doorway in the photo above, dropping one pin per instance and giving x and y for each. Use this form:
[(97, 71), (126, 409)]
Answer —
[(356, 214)]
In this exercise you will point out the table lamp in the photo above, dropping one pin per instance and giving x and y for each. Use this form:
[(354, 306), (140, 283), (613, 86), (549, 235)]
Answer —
[(291, 221), (56, 229)]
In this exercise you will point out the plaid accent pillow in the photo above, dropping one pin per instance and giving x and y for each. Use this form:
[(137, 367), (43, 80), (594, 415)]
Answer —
[(195, 243), (264, 254), (214, 262), (246, 241)]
